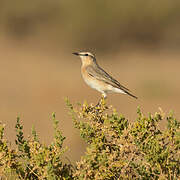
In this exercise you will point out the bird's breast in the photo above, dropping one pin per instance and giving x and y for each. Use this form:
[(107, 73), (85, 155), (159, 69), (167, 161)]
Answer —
[(87, 78), (92, 81)]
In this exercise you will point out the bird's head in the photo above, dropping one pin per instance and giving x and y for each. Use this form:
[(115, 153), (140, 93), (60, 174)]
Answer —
[(86, 57)]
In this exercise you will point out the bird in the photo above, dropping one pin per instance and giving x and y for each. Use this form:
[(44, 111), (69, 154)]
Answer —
[(97, 78)]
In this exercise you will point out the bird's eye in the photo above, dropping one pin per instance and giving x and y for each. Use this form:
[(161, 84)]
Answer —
[(86, 54)]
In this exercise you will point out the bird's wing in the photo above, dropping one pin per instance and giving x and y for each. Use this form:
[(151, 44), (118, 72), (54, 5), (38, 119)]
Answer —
[(101, 75)]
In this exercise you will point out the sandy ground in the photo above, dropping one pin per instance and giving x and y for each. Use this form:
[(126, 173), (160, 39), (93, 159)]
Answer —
[(35, 82)]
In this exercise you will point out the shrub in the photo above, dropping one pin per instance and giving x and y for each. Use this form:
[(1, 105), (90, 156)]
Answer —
[(116, 148), (32, 159)]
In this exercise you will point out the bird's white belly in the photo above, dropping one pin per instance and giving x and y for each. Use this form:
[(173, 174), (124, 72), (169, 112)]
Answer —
[(94, 84), (102, 88)]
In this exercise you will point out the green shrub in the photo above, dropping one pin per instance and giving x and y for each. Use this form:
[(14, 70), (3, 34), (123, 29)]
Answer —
[(116, 148), (119, 150), (32, 159)]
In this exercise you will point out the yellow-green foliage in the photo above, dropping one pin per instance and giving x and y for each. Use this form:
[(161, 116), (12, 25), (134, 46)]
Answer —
[(116, 148), (32, 159), (119, 150)]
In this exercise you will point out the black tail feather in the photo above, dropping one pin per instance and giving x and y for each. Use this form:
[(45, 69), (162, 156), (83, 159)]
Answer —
[(131, 94)]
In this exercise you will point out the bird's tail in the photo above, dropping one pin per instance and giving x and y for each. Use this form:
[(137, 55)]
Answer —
[(123, 91), (126, 92)]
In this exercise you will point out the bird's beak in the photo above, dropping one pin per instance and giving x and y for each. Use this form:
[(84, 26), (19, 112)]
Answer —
[(75, 53)]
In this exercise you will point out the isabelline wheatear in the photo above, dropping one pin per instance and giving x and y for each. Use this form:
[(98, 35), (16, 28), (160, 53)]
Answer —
[(97, 78)]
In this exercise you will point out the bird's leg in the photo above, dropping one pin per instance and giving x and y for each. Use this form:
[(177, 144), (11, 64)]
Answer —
[(103, 97), (98, 104)]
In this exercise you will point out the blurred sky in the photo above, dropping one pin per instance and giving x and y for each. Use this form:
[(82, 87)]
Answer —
[(137, 42)]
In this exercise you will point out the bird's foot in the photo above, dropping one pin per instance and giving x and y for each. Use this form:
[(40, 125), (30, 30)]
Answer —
[(101, 102)]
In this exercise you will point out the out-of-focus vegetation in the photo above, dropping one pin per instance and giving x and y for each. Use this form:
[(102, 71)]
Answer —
[(104, 24), (116, 149)]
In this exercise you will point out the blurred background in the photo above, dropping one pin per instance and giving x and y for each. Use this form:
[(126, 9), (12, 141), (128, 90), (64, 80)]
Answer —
[(137, 42)]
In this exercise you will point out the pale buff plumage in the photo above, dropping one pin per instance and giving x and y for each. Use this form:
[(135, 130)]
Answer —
[(97, 78)]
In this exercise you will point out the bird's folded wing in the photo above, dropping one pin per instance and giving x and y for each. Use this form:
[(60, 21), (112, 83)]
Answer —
[(100, 74)]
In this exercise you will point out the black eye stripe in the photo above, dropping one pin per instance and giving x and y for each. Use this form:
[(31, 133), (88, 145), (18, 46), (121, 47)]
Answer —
[(87, 55)]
